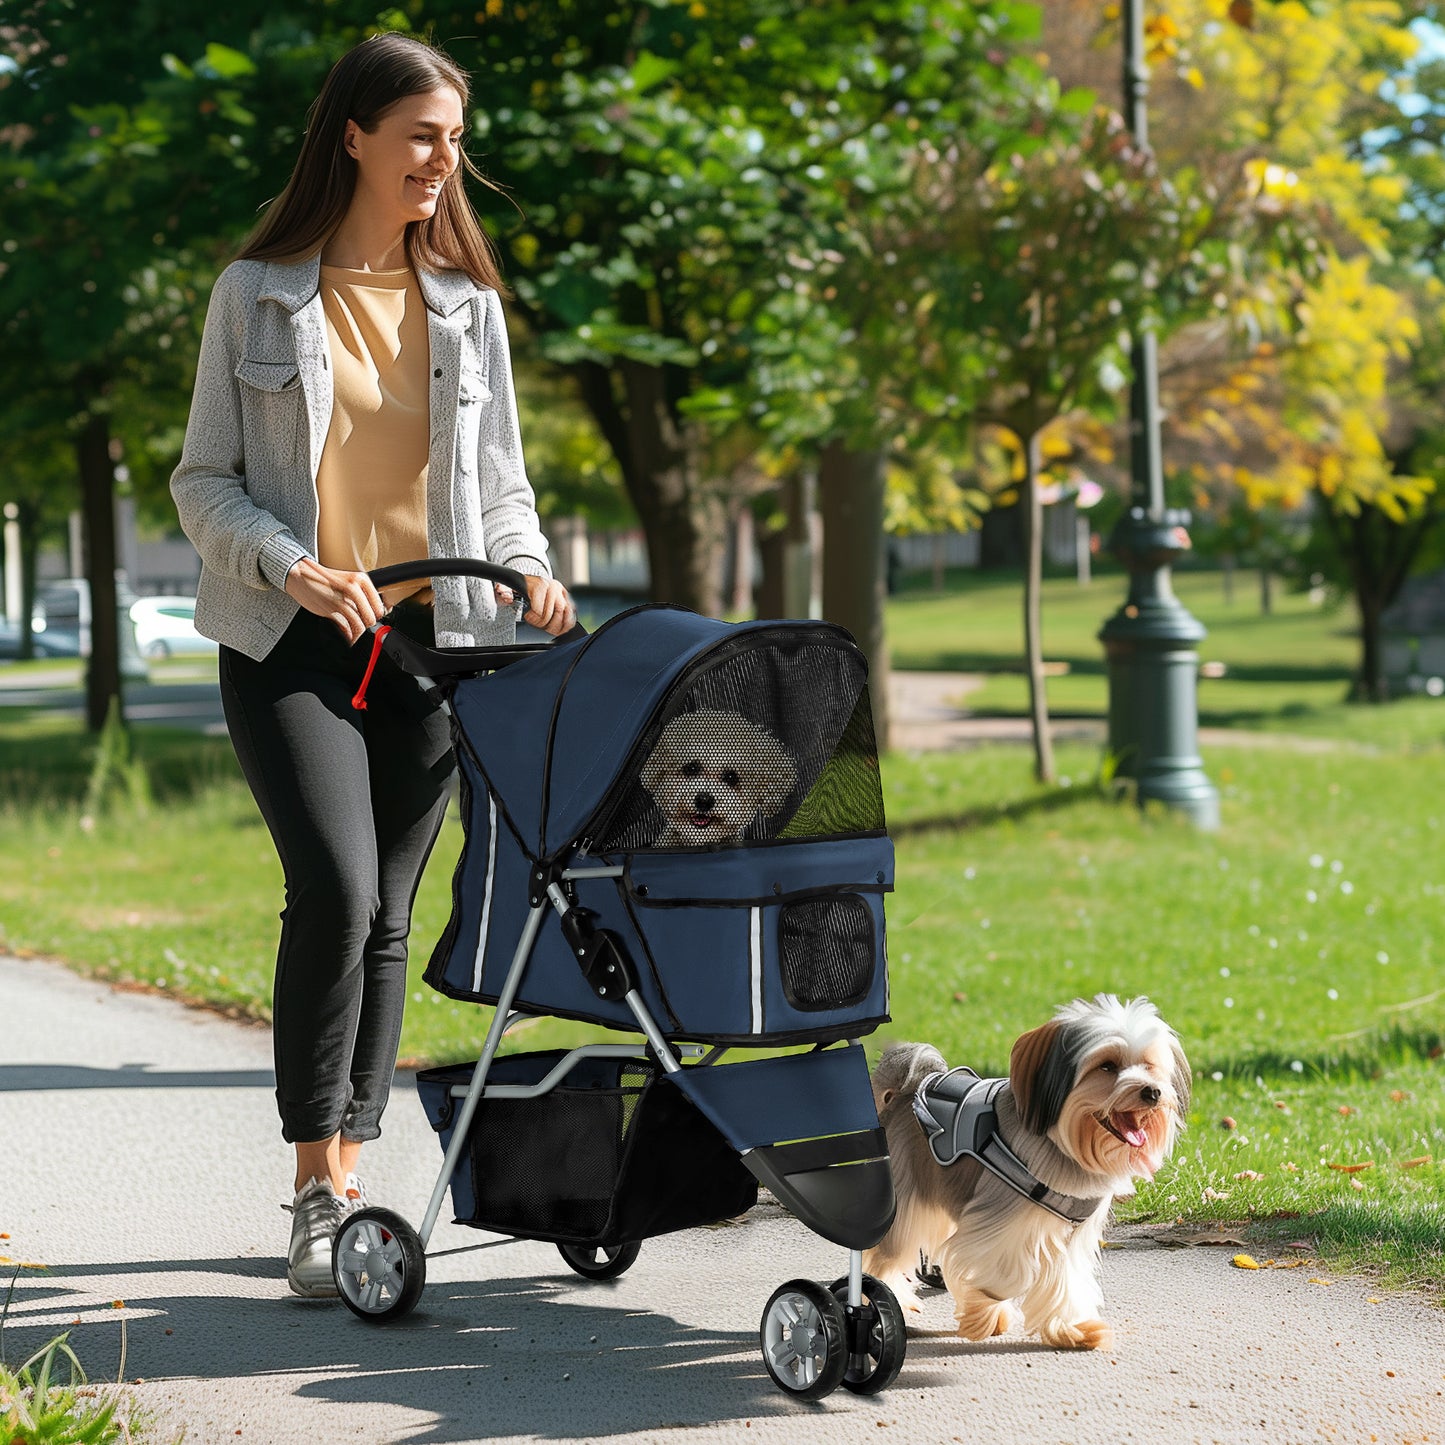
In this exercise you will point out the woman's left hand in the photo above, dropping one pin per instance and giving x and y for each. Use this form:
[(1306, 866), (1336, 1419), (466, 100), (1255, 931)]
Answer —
[(548, 605)]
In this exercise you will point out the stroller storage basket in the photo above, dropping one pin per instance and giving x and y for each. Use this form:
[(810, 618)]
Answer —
[(615, 1153)]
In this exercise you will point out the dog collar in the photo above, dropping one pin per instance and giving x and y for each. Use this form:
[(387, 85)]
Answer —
[(956, 1111)]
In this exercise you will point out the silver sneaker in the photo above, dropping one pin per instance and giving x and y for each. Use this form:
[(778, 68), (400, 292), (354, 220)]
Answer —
[(316, 1213)]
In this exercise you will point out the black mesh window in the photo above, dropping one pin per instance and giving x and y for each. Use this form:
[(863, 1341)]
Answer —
[(771, 738), (825, 951)]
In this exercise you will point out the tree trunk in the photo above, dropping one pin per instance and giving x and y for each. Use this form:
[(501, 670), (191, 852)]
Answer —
[(685, 524), (1266, 591), (1370, 685), (97, 488), (742, 554), (786, 589), (1226, 571), (1033, 523), (850, 496)]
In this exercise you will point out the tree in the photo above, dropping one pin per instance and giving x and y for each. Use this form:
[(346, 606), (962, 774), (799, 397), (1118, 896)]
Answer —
[(123, 177), (1039, 255)]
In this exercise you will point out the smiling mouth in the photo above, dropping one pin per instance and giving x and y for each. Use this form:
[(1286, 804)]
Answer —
[(432, 187), (1126, 1126)]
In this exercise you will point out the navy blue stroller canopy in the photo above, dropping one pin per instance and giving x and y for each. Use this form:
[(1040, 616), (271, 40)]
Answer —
[(563, 737), (690, 752)]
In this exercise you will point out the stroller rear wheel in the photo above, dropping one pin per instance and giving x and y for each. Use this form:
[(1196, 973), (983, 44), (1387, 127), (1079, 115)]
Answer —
[(378, 1264), (804, 1335), (877, 1338), (599, 1262)]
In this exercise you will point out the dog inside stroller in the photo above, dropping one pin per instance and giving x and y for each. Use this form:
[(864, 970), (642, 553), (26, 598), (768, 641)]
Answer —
[(673, 827)]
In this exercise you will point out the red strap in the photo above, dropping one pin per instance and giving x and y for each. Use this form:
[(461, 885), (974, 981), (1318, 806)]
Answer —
[(378, 637)]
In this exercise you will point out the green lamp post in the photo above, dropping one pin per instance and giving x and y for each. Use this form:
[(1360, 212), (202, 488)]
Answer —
[(1150, 643)]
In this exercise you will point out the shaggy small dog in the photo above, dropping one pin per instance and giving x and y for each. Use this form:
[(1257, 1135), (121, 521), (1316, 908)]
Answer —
[(713, 774), (1093, 1101)]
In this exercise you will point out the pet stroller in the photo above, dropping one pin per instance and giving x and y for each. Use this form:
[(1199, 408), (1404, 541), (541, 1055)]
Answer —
[(605, 877)]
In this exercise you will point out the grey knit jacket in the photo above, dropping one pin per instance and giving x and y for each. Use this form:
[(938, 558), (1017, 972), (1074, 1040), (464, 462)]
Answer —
[(246, 484)]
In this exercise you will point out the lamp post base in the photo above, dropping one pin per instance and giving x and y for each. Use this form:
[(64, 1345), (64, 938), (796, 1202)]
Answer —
[(1150, 647)]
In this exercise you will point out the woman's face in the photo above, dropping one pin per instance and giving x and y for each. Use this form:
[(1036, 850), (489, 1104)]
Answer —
[(401, 165)]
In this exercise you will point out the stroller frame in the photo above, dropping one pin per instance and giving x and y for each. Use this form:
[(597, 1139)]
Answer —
[(813, 1338)]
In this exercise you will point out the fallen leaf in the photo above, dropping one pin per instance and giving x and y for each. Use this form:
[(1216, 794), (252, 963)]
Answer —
[(1353, 1168), (1346, 1110), (117, 1304), (1283, 1107), (1212, 1193), (1398, 1096), (1291, 1263), (1249, 1174), (1244, 1261), (1299, 1244), (1315, 1279), (1412, 1163), (1290, 1168), (1355, 1184), (1227, 1123)]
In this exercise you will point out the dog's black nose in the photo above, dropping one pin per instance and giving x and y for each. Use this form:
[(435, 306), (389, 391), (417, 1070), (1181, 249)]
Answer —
[(704, 802), (1149, 1094)]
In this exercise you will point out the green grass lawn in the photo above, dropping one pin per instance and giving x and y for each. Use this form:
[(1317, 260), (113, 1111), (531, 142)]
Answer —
[(1284, 672), (1298, 950)]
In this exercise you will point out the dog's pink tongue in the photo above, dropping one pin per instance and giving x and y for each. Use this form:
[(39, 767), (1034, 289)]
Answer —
[(1136, 1138)]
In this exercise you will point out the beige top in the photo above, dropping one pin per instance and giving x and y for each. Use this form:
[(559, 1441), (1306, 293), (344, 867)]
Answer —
[(371, 481)]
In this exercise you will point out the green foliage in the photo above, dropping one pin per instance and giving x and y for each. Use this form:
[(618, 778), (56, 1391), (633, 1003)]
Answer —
[(38, 1408), (116, 773)]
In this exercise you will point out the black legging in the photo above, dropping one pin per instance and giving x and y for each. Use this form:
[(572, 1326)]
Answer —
[(354, 801)]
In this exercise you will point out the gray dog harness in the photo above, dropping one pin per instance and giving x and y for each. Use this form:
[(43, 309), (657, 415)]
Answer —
[(956, 1111)]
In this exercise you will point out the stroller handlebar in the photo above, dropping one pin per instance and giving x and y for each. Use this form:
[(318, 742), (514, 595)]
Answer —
[(450, 567)]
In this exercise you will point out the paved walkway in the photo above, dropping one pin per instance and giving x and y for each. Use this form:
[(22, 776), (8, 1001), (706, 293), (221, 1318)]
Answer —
[(143, 1168)]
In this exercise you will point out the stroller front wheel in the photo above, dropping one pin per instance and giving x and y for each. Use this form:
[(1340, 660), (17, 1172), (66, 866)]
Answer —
[(877, 1337), (599, 1262), (804, 1336), (379, 1265)]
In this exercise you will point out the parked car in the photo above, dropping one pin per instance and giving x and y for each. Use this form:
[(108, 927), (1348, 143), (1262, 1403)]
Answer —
[(62, 618), (54, 644), (166, 627)]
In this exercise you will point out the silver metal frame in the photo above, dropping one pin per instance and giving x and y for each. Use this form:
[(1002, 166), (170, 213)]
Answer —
[(474, 1092), (504, 1018)]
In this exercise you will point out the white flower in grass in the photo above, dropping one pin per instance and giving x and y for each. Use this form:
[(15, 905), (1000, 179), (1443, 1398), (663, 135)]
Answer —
[(1382, 957), (1311, 896), (1229, 1003), (1224, 973), (1316, 861), (1336, 866), (1332, 993), (1254, 930), (1296, 1067), (1347, 887)]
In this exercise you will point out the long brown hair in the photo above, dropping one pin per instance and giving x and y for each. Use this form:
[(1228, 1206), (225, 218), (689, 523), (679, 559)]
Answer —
[(362, 86)]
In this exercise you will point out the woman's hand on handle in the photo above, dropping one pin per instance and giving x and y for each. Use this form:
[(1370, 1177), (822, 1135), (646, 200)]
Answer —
[(348, 599), (548, 605)]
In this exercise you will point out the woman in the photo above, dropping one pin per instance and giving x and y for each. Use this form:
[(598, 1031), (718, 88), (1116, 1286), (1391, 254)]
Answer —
[(353, 407)]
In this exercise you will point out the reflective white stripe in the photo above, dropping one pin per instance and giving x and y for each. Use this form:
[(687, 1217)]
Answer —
[(486, 892), (755, 958)]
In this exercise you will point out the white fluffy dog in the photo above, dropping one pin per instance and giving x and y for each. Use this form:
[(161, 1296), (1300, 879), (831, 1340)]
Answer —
[(713, 774), (1093, 1101)]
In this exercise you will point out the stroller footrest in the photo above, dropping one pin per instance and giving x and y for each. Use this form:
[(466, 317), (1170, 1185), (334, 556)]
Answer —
[(832, 1185)]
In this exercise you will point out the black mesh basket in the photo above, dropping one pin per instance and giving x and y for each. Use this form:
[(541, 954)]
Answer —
[(616, 1153)]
